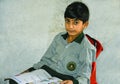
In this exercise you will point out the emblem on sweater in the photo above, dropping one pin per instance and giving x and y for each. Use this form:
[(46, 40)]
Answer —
[(71, 66)]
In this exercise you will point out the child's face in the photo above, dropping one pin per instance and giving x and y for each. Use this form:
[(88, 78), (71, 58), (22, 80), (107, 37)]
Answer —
[(74, 26)]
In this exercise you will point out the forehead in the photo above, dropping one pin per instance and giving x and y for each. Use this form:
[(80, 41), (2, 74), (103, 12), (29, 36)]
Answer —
[(72, 19)]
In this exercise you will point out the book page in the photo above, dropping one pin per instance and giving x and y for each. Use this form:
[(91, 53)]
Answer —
[(36, 77)]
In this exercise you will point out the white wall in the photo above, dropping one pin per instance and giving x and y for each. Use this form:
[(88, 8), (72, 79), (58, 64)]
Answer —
[(27, 27), (105, 26)]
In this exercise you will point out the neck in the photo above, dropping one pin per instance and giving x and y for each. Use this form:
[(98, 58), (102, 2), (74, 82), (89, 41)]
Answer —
[(71, 38)]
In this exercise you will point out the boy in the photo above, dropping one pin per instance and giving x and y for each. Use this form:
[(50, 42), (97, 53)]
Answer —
[(70, 55)]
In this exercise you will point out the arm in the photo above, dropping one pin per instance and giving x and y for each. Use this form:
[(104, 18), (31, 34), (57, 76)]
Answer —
[(84, 77), (85, 67), (45, 60)]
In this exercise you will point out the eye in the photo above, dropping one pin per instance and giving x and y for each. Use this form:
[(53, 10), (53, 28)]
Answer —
[(76, 22), (67, 21)]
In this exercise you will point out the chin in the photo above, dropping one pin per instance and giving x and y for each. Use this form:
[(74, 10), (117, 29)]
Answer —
[(72, 34)]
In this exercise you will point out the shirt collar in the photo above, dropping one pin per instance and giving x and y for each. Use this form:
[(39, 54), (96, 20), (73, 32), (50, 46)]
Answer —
[(77, 39)]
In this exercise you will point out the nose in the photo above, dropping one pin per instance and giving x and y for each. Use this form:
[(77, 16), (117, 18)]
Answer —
[(71, 25)]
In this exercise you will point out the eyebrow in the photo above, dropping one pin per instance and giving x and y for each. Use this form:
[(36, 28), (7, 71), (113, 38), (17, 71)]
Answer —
[(75, 19)]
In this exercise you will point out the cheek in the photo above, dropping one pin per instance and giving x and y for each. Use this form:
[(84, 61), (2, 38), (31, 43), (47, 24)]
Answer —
[(66, 26), (79, 29)]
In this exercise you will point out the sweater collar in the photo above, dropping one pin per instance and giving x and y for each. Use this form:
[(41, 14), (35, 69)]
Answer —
[(77, 39)]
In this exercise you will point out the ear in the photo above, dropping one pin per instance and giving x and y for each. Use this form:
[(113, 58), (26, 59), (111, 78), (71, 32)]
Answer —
[(86, 24)]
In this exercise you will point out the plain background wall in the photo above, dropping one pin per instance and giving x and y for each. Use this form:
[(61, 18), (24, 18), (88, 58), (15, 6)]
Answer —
[(27, 27)]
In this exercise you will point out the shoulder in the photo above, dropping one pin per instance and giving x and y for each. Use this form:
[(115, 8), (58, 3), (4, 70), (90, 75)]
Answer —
[(59, 35), (91, 50), (87, 43)]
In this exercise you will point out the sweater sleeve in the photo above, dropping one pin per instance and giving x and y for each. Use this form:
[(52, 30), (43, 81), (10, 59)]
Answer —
[(84, 75), (83, 80), (48, 54)]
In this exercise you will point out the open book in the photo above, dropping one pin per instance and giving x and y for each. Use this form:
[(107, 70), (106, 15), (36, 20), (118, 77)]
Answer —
[(36, 77)]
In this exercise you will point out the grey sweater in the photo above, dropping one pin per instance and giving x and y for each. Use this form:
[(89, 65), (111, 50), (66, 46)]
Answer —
[(74, 59)]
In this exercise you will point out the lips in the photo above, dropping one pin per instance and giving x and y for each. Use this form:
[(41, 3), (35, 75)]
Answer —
[(71, 31)]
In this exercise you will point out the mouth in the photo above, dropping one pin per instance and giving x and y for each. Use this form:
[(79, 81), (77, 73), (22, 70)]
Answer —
[(71, 31)]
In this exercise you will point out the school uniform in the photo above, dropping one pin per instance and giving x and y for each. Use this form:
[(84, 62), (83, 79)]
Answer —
[(73, 59)]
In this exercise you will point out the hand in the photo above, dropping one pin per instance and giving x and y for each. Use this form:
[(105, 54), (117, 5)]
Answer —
[(67, 82)]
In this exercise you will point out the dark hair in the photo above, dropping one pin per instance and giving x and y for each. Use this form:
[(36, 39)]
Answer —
[(77, 10)]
